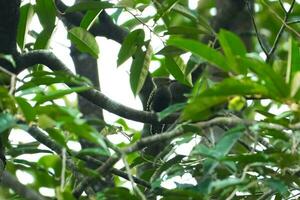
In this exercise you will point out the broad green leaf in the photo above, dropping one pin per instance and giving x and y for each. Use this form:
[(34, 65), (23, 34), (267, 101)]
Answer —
[(84, 41), (41, 98), (293, 60), (46, 11), (228, 182), (170, 51), (200, 105), (200, 108), (222, 148), (44, 38), (277, 185), (90, 5), (132, 23), (94, 152), (57, 135), (234, 87), (171, 109), (139, 68), (64, 194), (271, 80), (51, 162), (26, 14), (228, 140), (184, 30), (201, 50), (89, 18), (7, 121), (27, 110), (185, 12), (132, 42), (167, 5), (177, 69), (232, 46)]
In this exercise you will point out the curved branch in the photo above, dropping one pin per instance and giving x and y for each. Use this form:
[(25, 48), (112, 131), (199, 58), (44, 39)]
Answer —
[(106, 28), (48, 59), (12, 182)]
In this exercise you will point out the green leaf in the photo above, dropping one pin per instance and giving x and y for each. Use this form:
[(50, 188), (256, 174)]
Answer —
[(90, 5), (132, 42), (169, 110), (221, 149), (89, 18), (293, 60), (94, 152), (26, 14), (201, 50), (232, 46), (43, 39), (228, 140), (271, 80), (277, 185), (200, 106), (177, 69), (229, 182), (139, 68), (185, 12), (41, 98), (57, 135), (46, 11), (7, 121), (184, 30), (84, 41), (27, 109)]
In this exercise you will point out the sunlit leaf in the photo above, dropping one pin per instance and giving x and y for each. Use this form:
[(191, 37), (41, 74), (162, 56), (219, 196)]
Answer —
[(84, 41), (130, 45), (139, 68), (26, 14)]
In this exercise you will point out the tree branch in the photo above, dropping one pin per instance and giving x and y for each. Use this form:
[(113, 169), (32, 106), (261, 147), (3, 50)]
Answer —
[(48, 59), (45, 140), (12, 182)]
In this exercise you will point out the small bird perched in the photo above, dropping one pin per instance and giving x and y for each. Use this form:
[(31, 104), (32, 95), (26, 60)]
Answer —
[(159, 99)]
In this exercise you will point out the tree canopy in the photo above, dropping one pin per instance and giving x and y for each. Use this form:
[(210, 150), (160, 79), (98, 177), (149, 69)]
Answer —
[(219, 82)]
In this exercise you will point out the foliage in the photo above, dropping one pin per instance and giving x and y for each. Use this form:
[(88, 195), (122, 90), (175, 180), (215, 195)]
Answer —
[(242, 133)]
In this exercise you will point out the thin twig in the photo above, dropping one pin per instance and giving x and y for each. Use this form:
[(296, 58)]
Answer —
[(255, 28), (138, 191)]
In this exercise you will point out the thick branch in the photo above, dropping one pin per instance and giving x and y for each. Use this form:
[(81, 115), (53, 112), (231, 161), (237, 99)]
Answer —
[(50, 60), (105, 28), (12, 182)]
